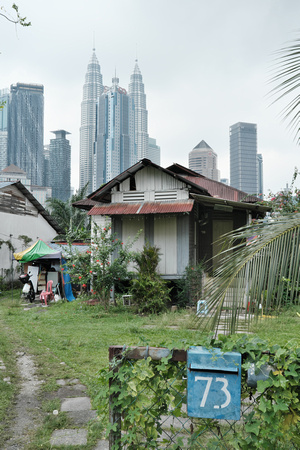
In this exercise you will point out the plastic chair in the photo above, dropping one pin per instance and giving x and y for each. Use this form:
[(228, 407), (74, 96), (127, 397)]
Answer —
[(48, 294)]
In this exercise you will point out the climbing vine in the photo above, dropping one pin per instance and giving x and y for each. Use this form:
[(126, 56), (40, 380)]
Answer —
[(142, 391)]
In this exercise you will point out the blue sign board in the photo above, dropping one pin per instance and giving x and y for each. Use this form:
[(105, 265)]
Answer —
[(213, 384)]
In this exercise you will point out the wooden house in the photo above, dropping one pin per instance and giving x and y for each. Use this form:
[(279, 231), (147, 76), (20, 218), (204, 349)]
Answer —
[(172, 210)]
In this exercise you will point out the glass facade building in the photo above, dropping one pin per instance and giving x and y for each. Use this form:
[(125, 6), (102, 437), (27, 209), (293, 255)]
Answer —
[(26, 130), (137, 92), (115, 149), (59, 167), (243, 157), (153, 151), (92, 89)]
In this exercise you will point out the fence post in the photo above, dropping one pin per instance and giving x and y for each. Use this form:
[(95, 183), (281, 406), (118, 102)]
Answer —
[(114, 415)]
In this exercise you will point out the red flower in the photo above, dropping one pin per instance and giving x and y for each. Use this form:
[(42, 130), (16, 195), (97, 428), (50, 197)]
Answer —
[(121, 243), (79, 278), (73, 265), (84, 285), (62, 268), (104, 229), (91, 271), (98, 260), (108, 263)]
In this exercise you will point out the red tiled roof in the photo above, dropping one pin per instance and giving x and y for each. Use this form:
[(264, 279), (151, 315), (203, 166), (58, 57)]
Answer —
[(143, 208)]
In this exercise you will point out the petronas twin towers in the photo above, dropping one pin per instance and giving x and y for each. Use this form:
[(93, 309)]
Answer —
[(114, 126)]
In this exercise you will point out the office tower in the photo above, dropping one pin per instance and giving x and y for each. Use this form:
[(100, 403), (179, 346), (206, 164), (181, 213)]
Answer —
[(153, 151), (260, 184), (26, 130), (243, 157), (92, 89), (203, 160), (4, 98), (60, 166), (137, 93), (115, 149)]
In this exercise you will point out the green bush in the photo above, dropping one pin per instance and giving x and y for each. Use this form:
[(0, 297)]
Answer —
[(189, 287), (150, 292)]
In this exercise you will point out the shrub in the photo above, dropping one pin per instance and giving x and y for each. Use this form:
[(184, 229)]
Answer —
[(150, 292)]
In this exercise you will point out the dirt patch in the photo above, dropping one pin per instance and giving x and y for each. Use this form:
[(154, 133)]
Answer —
[(28, 414)]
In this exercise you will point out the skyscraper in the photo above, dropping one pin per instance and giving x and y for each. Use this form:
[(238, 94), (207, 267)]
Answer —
[(243, 157), (26, 130), (260, 181), (92, 89), (153, 151), (203, 160), (137, 92), (60, 166), (4, 99), (115, 148)]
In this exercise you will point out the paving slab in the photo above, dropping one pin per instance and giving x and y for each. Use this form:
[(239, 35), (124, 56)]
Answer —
[(76, 404), (69, 437), (80, 418), (102, 445)]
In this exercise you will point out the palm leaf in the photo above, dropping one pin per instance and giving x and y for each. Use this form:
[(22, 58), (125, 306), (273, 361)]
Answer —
[(258, 274), (287, 81)]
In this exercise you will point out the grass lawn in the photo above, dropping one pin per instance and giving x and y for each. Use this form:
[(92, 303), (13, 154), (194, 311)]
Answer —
[(72, 339)]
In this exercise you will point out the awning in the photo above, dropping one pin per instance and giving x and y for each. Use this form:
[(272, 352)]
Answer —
[(38, 250), (114, 209)]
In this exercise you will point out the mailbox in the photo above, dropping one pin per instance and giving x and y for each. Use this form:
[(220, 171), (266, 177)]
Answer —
[(213, 384)]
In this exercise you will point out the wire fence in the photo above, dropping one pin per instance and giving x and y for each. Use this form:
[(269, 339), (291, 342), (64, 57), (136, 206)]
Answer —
[(148, 409)]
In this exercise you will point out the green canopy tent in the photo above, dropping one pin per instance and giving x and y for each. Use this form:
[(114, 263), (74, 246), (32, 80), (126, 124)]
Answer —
[(39, 250)]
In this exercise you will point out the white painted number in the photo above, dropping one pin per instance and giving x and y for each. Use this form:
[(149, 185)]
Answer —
[(207, 388), (226, 392), (209, 380)]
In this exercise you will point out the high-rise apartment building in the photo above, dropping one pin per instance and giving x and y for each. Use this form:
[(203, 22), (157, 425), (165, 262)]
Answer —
[(137, 92), (243, 157), (92, 89), (115, 149), (59, 167), (26, 130), (203, 160)]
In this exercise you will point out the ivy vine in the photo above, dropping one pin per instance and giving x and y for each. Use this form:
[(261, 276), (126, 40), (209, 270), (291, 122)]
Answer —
[(143, 391)]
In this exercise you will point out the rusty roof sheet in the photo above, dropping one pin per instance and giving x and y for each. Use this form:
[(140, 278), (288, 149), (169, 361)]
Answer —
[(143, 208)]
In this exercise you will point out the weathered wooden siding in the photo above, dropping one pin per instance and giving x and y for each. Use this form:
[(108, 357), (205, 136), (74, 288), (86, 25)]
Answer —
[(131, 227), (12, 201), (182, 243), (165, 237), (150, 185)]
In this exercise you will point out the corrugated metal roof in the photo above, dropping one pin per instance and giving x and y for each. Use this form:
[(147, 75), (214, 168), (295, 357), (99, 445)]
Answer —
[(143, 208), (221, 190)]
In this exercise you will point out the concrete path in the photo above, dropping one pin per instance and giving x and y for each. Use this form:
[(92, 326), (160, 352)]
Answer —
[(78, 408)]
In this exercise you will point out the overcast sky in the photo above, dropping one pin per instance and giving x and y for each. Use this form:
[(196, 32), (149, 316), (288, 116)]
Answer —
[(205, 66)]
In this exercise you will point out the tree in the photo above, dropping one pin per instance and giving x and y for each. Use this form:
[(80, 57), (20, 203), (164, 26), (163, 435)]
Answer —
[(103, 266), (72, 220), (260, 272), (17, 19)]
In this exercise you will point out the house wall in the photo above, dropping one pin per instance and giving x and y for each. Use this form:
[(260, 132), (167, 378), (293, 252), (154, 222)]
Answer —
[(34, 226), (170, 233), (149, 185)]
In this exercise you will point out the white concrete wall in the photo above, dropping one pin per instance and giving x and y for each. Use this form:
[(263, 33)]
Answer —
[(35, 227)]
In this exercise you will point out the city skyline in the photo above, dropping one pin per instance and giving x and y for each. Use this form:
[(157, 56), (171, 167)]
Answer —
[(197, 83)]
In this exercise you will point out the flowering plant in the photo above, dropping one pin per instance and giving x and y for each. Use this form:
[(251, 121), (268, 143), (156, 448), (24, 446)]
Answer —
[(103, 265)]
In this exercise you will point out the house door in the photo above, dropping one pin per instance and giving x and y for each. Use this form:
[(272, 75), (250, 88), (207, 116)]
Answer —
[(220, 227)]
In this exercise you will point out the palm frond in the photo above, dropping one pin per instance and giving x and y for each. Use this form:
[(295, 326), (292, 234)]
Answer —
[(287, 81), (258, 274)]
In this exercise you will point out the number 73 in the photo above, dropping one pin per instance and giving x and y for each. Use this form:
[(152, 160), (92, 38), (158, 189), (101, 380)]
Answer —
[(207, 388)]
